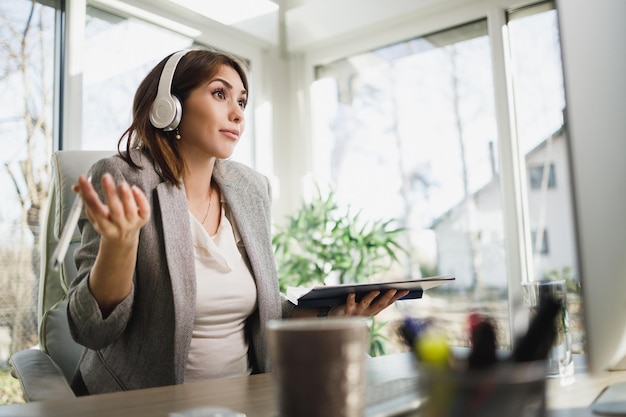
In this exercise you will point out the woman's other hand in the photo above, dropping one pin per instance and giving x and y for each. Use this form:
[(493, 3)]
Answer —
[(370, 305)]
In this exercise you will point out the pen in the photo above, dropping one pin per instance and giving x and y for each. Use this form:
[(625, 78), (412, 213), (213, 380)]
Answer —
[(66, 235), (536, 344)]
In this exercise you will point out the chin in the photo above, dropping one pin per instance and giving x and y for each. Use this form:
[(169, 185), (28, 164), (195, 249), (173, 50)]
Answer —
[(229, 151), (225, 155)]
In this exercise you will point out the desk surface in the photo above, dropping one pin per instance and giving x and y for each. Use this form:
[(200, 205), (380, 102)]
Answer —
[(574, 400), (255, 396)]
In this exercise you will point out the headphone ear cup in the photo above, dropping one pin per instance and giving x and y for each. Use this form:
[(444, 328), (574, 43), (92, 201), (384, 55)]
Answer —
[(166, 112)]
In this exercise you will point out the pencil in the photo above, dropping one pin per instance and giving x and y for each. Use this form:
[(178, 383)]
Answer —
[(66, 235)]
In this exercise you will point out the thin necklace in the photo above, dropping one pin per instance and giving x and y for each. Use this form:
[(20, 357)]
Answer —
[(208, 208)]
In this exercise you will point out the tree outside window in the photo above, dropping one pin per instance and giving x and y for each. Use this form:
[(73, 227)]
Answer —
[(27, 33)]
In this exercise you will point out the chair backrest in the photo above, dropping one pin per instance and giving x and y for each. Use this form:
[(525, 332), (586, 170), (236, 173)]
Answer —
[(54, 334)]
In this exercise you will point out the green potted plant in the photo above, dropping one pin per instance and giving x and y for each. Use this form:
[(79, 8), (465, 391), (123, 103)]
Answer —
[(323, 244)]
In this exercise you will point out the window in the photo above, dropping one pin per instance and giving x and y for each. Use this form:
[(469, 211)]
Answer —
[(119, 53), (26, 126), (408, 132), (118, 56), (537, 176)]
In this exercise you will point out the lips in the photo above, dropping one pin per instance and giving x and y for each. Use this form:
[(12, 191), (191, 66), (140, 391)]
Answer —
[(233, 134)]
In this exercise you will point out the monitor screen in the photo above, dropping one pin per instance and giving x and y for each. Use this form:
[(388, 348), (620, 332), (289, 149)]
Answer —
[(593, 44)]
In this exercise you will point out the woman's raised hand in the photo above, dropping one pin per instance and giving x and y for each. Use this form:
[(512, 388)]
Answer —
[(123, 213)]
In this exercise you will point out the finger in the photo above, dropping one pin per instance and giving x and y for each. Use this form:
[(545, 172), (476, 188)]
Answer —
[(113, 201), (386, 299), (378, 304), (95, 220), (94, 207), (369, 297), (399, 295), (390, 297), (350, 306), (128, 201), (143, 206), (89, 215), (351, 299), (369, 303)]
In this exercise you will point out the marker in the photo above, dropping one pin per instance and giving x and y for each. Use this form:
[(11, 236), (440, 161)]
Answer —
[(483, 342), (432, 349), (58, 256), (411, 329)]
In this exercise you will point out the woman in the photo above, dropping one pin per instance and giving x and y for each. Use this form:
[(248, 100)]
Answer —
[(176, 276)]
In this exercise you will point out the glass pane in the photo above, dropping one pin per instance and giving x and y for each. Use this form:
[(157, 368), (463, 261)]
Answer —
[(408, 132), (119, 53), (27, 33), (539, 103)]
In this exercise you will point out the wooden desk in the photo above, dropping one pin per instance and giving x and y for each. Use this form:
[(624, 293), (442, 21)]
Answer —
[(574, 400), (255, 396), (252, 395)]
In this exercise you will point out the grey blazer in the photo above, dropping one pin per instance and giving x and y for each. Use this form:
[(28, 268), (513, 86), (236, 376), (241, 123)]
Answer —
[(144, 342)]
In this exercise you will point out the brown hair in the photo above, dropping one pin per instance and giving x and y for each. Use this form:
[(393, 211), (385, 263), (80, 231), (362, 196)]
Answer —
[(194, 68)]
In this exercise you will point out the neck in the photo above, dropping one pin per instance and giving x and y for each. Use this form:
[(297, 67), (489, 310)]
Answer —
[(198, 180)]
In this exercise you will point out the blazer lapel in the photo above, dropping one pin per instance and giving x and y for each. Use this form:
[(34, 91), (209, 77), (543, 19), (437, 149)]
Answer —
[(248, 213), (180, 260)]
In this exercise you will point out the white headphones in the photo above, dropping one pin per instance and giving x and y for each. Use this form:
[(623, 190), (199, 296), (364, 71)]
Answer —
[(166, 111)]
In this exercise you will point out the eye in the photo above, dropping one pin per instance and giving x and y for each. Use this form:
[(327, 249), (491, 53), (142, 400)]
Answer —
[(219, 93), (242, 103)]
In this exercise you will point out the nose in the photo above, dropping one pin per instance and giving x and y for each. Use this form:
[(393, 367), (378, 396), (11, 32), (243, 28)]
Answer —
[(236, 112)]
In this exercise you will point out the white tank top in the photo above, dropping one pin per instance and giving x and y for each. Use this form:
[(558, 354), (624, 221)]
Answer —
[(226, 296)]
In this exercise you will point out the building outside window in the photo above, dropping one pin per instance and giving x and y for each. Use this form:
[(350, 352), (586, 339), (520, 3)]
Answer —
[(540, 242), (539, 174)]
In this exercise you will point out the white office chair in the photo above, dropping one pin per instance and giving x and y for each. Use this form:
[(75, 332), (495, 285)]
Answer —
[(46, 372)]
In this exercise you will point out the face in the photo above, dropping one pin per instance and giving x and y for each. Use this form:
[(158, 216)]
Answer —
[(213, 118)]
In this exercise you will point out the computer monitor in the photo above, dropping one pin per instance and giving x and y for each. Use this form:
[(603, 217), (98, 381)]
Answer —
[(593, 45)]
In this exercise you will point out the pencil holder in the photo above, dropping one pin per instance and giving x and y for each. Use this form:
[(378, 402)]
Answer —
[(508, 389)]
